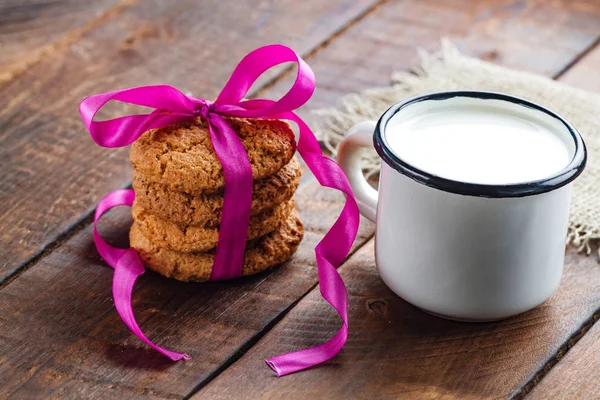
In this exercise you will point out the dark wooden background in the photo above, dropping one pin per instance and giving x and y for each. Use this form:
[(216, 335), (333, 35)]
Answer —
[(60, 336)]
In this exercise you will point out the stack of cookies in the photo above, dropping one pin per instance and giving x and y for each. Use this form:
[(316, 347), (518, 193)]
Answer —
[(179, 186)]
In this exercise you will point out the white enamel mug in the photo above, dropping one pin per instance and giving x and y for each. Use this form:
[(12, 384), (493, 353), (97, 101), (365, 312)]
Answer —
[(461, 250)]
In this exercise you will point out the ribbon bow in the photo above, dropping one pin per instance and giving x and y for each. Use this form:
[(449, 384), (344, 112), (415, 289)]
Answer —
[(171, 107)]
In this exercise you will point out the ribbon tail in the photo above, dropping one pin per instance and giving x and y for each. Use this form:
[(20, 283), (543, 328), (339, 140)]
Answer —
[(334, 291), (128, 268), (330, 253)]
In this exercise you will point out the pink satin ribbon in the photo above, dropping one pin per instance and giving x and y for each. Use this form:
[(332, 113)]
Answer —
[(171, 107)]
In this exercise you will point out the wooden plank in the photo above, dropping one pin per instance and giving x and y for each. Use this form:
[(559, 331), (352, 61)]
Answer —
[(582, 74), (31, 29), (79, 343), (61, 336), (395, 350), (537, 36), (576, 375), (52, 171)]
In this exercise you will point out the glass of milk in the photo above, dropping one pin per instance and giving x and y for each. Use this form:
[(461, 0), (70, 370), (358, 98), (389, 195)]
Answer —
[(473, 202)]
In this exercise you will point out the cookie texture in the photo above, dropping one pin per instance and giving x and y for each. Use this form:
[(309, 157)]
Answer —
[(181, 157), (261, 254), (205, 210), (188, 238)]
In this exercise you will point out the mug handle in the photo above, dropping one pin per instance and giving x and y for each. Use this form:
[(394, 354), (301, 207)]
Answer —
[(357, 138)]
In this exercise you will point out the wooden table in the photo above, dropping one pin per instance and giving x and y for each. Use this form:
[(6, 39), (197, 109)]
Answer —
[(60, 336)]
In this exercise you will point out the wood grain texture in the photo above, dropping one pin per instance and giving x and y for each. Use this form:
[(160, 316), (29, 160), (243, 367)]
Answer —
[(533, 35), (394, 350), (583, 74), (576, 375), (52, 171), (32, 29), (60, 335)]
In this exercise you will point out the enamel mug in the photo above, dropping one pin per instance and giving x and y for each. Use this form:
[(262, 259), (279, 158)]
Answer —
[(466, 249)]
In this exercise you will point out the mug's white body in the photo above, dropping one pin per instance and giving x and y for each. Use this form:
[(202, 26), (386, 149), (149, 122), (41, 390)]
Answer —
[(474, 252), (467, 257)]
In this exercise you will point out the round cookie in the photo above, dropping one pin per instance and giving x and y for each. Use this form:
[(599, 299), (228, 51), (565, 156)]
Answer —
[(261, 254), (188, 238), (205, 210), (181, 157)]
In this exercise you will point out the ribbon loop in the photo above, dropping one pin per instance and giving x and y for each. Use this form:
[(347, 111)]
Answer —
[(171, 107), (123, 131), (253, 66)]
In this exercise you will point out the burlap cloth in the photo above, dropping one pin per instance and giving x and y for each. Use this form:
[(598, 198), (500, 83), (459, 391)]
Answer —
[(450, 70)]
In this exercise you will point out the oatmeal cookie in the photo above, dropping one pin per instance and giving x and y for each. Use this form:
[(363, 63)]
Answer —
[(205, 210), (167, 234), (261, 254), (181, 157)]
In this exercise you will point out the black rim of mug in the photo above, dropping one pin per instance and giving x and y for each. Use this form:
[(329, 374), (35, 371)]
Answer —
[(555, 181)]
